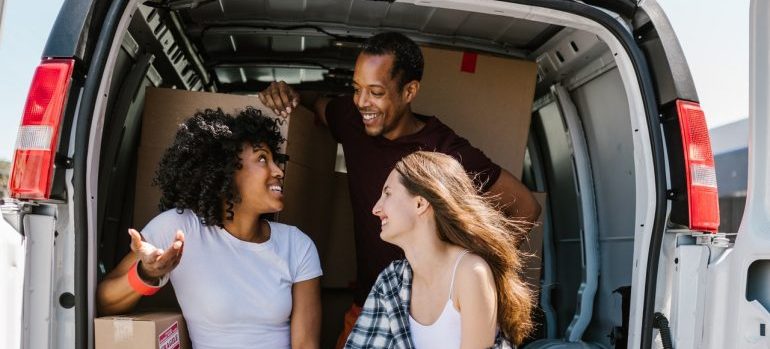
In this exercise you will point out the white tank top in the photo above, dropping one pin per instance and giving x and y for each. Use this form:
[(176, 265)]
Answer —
[(445, 332)]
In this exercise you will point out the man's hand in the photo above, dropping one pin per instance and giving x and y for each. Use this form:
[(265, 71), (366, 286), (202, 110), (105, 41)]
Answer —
[(154, 261), (279, 97)]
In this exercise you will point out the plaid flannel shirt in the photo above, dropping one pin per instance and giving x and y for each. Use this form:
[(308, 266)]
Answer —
[(384, 319)]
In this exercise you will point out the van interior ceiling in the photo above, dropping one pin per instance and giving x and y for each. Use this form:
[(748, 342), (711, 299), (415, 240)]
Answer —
[(578, 99)]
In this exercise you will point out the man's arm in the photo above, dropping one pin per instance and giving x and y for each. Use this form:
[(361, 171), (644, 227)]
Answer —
[(514, 197)]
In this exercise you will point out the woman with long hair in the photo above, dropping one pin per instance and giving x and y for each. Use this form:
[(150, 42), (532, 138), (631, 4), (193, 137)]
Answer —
[(242, 281), (460, 284)]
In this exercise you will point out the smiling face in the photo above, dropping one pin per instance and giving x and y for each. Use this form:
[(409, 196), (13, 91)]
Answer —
[(397, 209), (259, 181), (383, 105)]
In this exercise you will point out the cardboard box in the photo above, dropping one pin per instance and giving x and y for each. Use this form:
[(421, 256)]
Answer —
[(340, 263), (307, 192), (491, 106), (159, 330)]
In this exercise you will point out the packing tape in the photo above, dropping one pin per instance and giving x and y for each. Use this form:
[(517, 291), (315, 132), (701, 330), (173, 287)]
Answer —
[(123, 328)]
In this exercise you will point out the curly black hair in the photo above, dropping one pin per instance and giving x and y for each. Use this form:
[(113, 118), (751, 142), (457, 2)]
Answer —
[(196, 171), (408, 63)]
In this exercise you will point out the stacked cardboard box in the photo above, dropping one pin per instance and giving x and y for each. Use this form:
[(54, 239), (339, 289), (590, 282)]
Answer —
[(159, 330), (490, 104)]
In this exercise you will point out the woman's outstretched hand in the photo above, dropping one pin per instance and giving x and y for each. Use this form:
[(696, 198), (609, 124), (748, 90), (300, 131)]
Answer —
[(156, 262)]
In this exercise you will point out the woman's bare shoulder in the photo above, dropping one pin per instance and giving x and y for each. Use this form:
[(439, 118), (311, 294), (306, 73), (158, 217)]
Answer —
[(473, 280), (473, 268)]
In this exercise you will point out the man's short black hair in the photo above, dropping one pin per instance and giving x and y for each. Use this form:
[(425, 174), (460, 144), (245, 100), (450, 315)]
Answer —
[(407, 63)]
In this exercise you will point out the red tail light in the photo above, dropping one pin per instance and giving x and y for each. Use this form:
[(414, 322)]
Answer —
[(39, 132), (703, 198)]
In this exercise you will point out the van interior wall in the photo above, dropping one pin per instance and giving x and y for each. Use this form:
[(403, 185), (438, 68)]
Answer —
[(548, 128), (603, 110), (118, 155), (142, 61)]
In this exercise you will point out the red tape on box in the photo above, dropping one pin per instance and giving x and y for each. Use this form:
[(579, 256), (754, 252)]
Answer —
[(469, 62)]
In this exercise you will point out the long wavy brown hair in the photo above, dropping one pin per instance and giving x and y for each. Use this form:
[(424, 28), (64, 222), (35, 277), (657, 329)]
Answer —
[(467, 219)]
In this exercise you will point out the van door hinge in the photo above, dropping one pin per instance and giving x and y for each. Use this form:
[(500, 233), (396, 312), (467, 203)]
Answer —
[(11, 211), (713, 240), (63, 161)]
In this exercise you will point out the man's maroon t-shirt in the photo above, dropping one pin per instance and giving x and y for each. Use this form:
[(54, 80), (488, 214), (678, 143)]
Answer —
[(369, 161)]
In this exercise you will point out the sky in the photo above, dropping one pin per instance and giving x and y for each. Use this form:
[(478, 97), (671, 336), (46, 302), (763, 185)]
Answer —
[(713, 34), (23, 33)]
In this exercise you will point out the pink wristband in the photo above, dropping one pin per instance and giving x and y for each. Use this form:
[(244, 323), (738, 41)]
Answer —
[(138, 284)]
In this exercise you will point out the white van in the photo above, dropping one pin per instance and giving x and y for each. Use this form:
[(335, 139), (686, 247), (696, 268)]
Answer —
[(632, 254)]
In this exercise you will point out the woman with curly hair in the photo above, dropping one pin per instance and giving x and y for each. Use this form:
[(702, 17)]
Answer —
[(242, 281), (460, 284)]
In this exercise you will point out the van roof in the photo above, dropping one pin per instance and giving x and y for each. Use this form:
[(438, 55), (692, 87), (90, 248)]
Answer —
[(240, 39)]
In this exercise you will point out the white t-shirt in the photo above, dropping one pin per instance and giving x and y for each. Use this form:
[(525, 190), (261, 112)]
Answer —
[(233, 293)]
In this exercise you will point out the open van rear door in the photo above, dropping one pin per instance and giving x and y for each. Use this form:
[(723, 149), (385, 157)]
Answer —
[(738, 315)]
